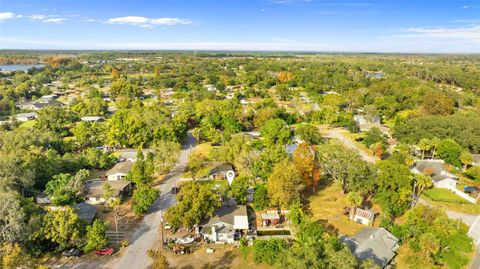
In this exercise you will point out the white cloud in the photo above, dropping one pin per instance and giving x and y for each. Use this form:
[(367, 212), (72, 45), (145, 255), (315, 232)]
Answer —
[(38, 17), (6, 16), (47, 18), (462, 34), (147, 22), (55, 20)]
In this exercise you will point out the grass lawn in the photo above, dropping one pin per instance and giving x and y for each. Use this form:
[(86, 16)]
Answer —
[(203, 149), (28, 124), (439, 195), (464, 208), (225, 256), (328, 205)]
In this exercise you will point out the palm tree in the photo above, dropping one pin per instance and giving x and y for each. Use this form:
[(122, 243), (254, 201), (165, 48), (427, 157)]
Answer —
[(425, 145), (434, 142), (466, 158), (354, 200), (423, 182)]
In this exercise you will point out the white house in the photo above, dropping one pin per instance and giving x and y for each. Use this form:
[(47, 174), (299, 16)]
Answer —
[(26, 116), (227, 224), (441, 178), (94, 190), (434, 168), (119, 171)]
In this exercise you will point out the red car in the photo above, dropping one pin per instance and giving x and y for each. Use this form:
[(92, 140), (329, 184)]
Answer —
[(105, 251)]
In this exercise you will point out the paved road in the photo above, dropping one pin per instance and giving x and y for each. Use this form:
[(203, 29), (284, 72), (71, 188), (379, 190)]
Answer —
[(145, 237), (338, 134)]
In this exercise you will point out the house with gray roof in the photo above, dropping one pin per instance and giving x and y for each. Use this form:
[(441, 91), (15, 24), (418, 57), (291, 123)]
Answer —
[(441, 178), (435, 168), (219, 171), (94, 190), (228, 221), (375, 244)]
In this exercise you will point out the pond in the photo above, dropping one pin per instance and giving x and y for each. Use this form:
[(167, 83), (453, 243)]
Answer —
[(15, 67)]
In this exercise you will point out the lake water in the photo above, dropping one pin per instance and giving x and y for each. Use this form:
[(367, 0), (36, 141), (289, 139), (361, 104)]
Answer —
[(15, 67)]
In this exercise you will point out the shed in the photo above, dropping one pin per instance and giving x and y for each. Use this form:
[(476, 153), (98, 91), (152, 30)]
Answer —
[(364, 216)]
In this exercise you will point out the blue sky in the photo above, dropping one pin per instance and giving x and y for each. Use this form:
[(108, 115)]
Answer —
[(298, 25)]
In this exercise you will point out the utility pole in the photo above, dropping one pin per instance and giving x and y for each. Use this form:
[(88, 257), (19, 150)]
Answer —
[(413, 194), (161, 228)]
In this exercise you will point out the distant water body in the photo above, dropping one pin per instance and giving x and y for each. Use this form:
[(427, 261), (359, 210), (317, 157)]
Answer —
[(15, 67)]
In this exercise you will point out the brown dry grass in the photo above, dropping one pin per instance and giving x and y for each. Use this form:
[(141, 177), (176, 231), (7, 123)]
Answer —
[(328, 206), (225, 256)]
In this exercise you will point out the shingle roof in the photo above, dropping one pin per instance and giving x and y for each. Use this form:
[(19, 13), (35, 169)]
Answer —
[(434, 168), (94, 188), (221, 168), (122, 167), (376, 244), (229, 215)]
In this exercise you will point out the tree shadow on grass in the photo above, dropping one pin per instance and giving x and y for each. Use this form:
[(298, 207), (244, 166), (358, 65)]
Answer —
[(224, 262)]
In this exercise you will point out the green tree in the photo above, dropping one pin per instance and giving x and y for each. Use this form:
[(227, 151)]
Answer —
[(12, 217), (65, 189), (55, 119), (260, 198), (450, 152), (423, 182), (195, 201), (436, 103), (466, 158), (166, 153), (345, 167), (425, 145), (354, 200), (309, 133), (275, 131), (96, 236), (393, 187), (143, 197), (238, 190), (284, 184), (268, 251), (62, 227)]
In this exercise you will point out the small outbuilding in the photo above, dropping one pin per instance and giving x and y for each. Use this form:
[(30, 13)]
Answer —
[(363, 216)]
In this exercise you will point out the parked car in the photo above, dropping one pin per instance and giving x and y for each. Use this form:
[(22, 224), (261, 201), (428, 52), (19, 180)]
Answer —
[(470, 189), (105, 251), (73, 252)]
